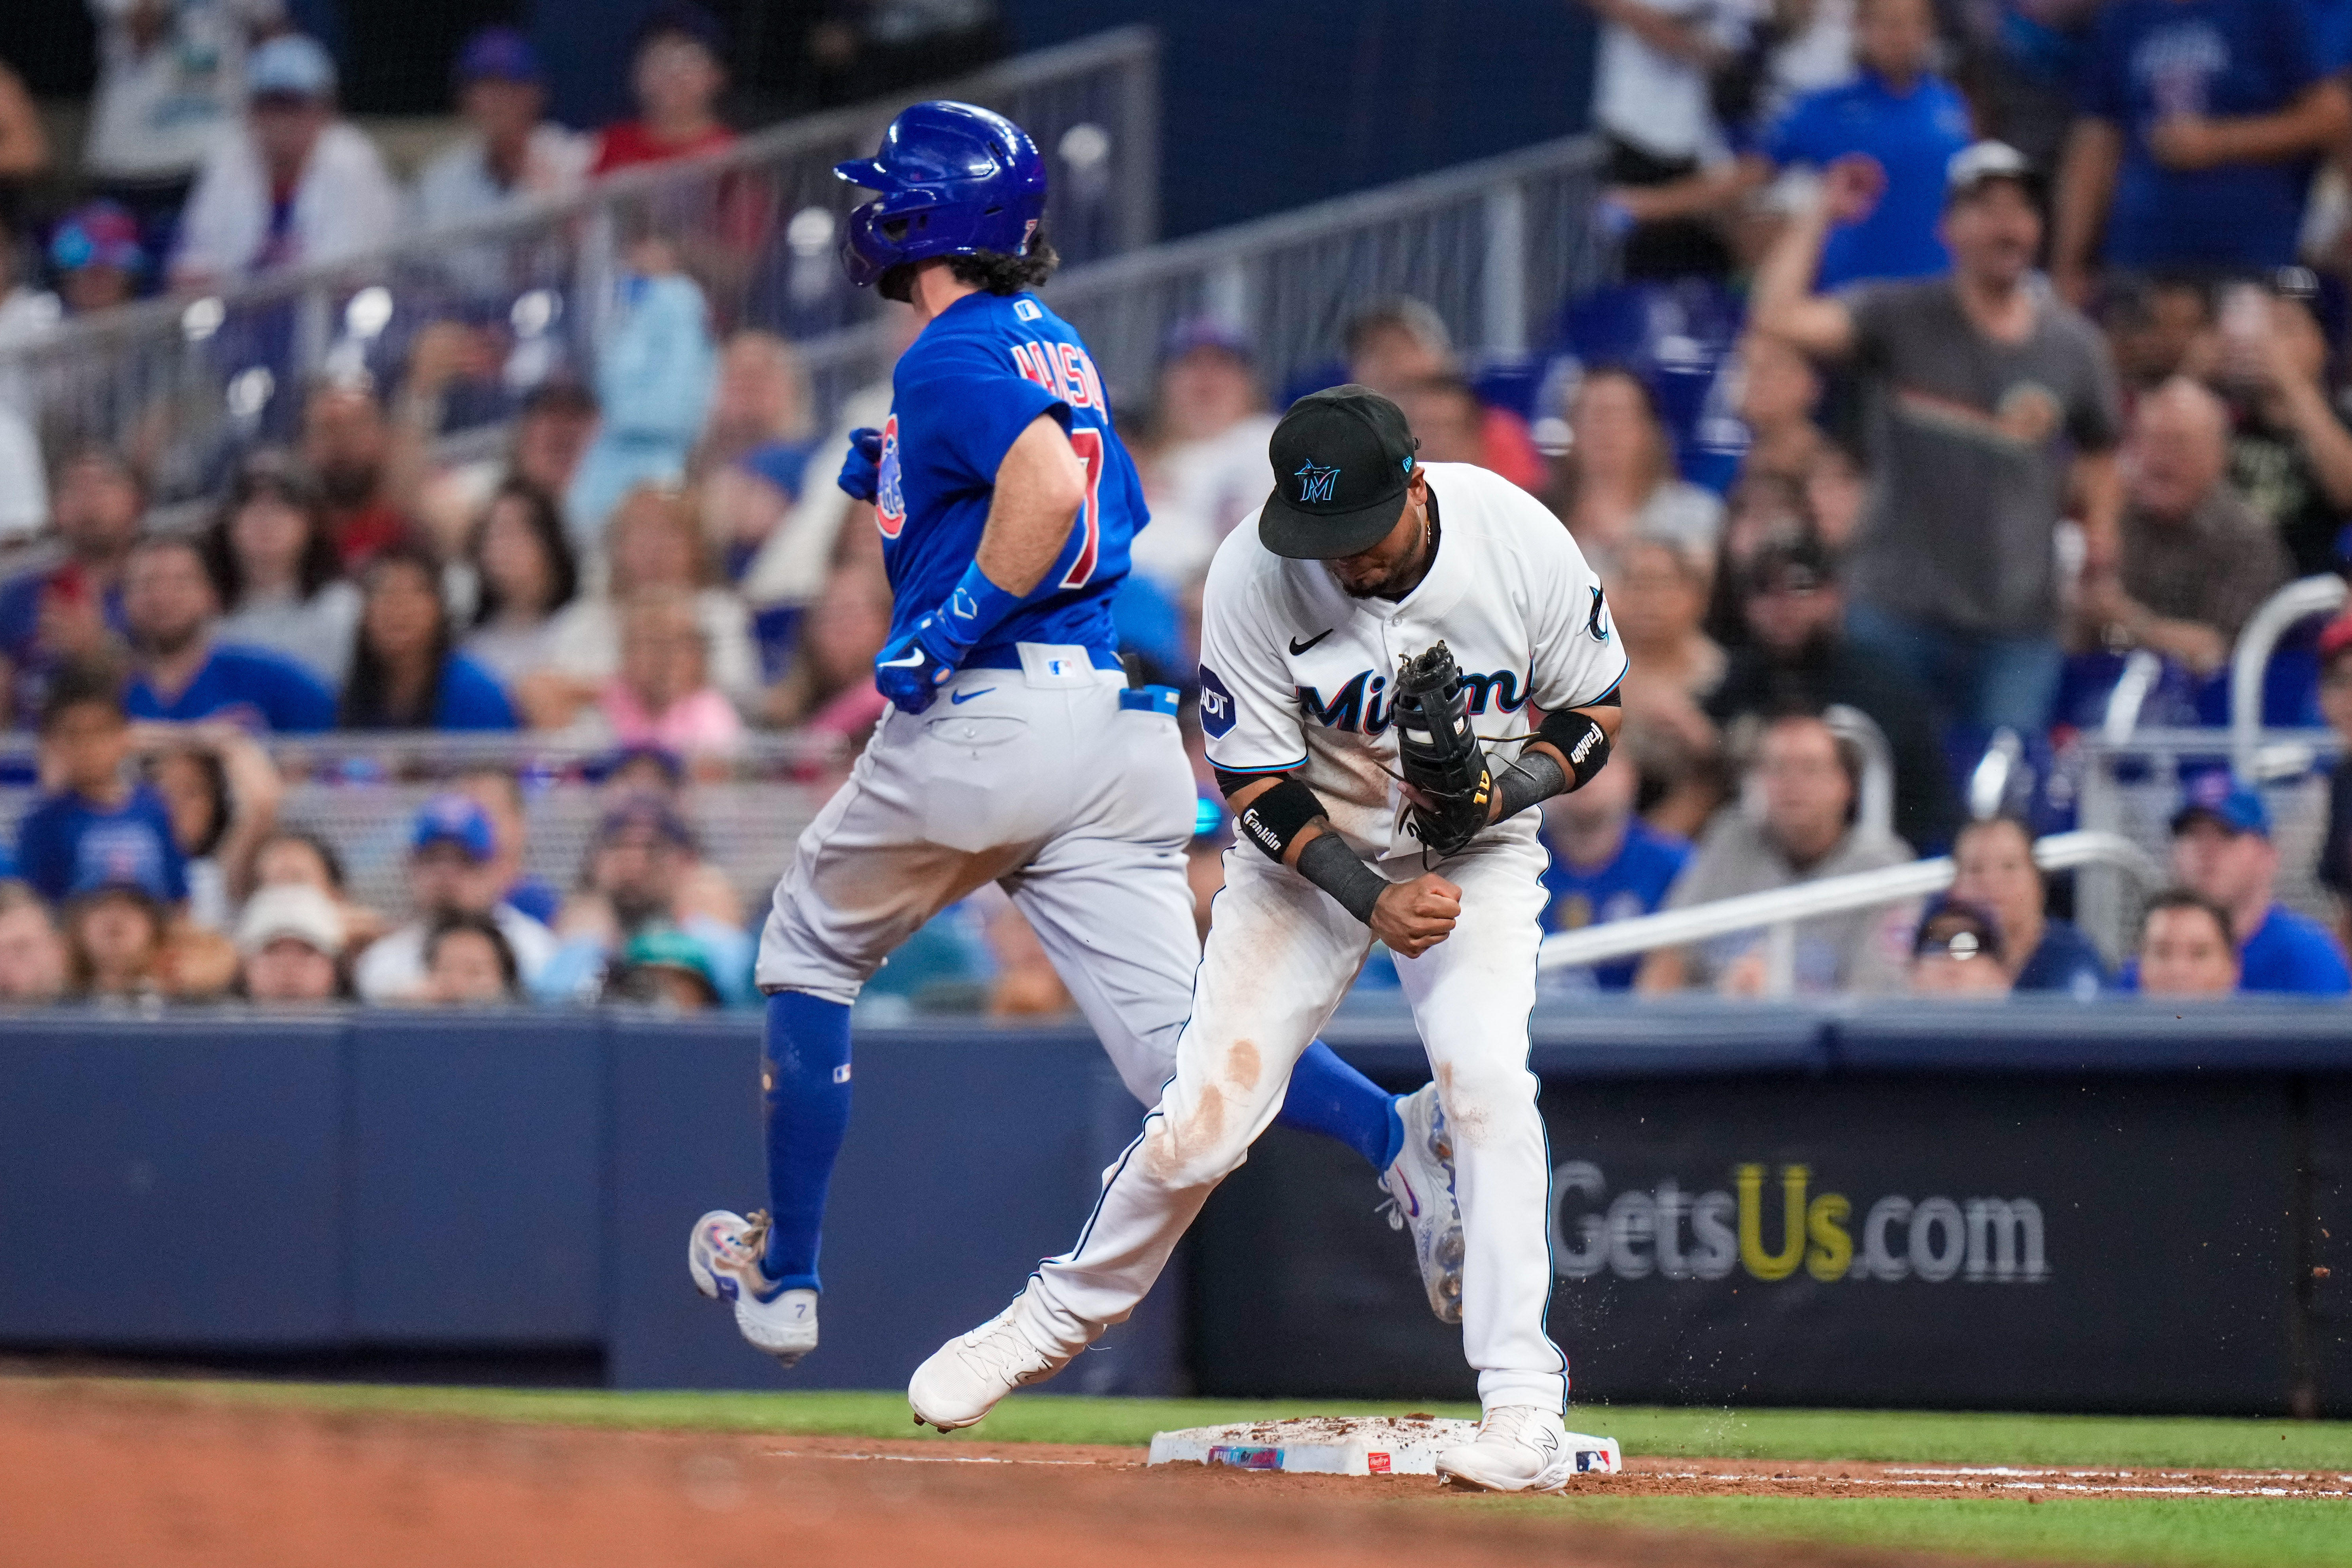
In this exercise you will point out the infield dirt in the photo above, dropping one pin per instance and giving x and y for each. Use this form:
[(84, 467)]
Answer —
[(91, 1476)]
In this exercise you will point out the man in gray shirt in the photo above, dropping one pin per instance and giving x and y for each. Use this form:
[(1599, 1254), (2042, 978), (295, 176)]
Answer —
[(1991, 406)]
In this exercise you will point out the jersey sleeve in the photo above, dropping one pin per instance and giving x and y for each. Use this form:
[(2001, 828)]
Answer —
[(1249, 709), (1576, 659), (963, 412)]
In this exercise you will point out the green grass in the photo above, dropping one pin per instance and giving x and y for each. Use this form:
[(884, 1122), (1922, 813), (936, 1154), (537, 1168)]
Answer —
[(2174, 1532)]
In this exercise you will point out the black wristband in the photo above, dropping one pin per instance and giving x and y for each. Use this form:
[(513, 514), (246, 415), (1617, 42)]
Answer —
[(1535, 777), (1279, 815), (1579, 738), (1331, 864)]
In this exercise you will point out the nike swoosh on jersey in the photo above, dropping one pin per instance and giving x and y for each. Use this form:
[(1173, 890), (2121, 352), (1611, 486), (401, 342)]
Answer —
[(1298, 647), (961, 697)]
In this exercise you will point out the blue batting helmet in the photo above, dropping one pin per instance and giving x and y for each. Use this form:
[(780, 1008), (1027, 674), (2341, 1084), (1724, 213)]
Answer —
[(954, 179)]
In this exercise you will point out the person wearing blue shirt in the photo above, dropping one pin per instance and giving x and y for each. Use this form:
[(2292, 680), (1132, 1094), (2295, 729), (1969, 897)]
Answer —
[(95, 503), (1607, 864), (99, 829), (1993, 868), (404, 673), (170, 605), (2221, 848), (1896, 114), (2199, 125)]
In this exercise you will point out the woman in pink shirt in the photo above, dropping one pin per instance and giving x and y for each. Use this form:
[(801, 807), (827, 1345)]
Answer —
[(661, 695)]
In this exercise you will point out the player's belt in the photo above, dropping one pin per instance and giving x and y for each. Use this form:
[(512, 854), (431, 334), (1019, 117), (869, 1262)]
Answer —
[(1007, 656)]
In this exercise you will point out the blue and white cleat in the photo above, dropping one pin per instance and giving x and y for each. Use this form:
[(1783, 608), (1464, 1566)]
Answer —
[(1421, 1199), (724, 1256)]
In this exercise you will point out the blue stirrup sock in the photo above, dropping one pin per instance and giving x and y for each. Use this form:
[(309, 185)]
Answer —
[(804, 1082), (1329, 1097)]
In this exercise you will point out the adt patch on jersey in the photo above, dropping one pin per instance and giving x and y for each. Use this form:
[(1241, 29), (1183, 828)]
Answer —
[(1217, 713), (982, 373)]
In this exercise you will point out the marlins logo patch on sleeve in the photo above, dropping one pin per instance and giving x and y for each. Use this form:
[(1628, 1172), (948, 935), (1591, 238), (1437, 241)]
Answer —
[(1596, 621)]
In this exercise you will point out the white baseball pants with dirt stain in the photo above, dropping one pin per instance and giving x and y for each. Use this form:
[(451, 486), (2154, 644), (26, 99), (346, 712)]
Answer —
[(1035, 778), (1280, 955)]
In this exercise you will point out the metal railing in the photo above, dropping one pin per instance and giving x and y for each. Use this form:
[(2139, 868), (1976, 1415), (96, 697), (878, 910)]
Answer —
[(181, 382), (2250, 660), (1778, 910), (1493, 246)]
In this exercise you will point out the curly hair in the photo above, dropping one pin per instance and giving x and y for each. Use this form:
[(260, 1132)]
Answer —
[(992, 271)]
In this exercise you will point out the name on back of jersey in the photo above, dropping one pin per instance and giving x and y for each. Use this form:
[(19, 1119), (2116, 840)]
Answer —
[(1063, 369)]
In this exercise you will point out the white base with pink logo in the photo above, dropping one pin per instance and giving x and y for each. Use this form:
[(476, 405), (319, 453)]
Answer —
[(1350, 1445)]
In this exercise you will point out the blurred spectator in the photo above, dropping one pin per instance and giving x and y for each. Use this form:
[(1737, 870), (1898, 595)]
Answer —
[(1807, 782), (1651, 102), (2199, 127), (656, 546), (171, 80), (552, 431), (1400, 343), (1991, 402), (1446, 416), (1896, 117), (273, 562), (2152, 323), (2197, 562), (498, 793), (1027, 985), (661, 695), (644, 874), (32, 961), (181, 674), (294, 857), (469, 962), (1657, 598), (654, 371), (2023, 60), (452, 870), (1958, 953), (1797, 655), (24, 144), (114, 939), (511, 153), (751, 465), (98, 825), (524, 573), (1763, 510), (828, 687), (1212, 466), (1606, 864), (862, 52), (2221, 848), (676, 75), (347, 444), (72, 609), (28, 312), (2186, 948), (406, 673), (1778, 390), (290, 942), (1617, 481), (293, 184), (221, 792), (664, 967), (2335, 868), (98, 257), (2290, 454), (1836, 492), (1994, 857)]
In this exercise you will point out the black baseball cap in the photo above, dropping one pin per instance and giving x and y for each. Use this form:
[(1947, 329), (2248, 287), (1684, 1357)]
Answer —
[(1342, 461)]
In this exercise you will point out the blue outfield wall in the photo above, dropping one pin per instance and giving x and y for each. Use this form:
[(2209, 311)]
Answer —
[(2139, 1209)]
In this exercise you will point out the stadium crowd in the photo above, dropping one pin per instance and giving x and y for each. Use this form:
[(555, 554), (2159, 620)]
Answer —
[(2042, 305)]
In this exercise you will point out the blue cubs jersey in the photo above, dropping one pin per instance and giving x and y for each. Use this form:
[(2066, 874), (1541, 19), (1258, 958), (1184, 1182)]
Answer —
[(980, 373)]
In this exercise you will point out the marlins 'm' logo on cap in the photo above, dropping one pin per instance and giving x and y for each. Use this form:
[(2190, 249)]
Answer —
[(1315, 483)]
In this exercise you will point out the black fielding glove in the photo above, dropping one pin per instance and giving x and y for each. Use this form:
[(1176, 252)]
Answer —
[(1438, 752)]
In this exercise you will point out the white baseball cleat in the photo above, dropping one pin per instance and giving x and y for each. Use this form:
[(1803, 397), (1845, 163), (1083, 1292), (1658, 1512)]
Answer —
[(723, 1256), (1519, 1448), (966, 1376), (1420, 1186)]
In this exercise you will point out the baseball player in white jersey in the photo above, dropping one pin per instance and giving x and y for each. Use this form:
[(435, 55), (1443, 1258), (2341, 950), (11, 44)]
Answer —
[(1371, 652)]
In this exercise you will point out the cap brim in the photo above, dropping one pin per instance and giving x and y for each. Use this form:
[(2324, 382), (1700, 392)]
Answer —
[(1326, 535), (2188, 814)]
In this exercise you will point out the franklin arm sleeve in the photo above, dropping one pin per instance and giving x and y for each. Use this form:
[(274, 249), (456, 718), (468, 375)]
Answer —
[(1278, 815)]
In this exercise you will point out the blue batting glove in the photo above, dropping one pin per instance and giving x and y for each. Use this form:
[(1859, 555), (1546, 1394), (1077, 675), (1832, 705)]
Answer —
[(912, 666), (861, 471)]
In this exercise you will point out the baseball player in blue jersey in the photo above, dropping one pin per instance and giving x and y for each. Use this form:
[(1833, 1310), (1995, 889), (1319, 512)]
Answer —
[(1013, 751)]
